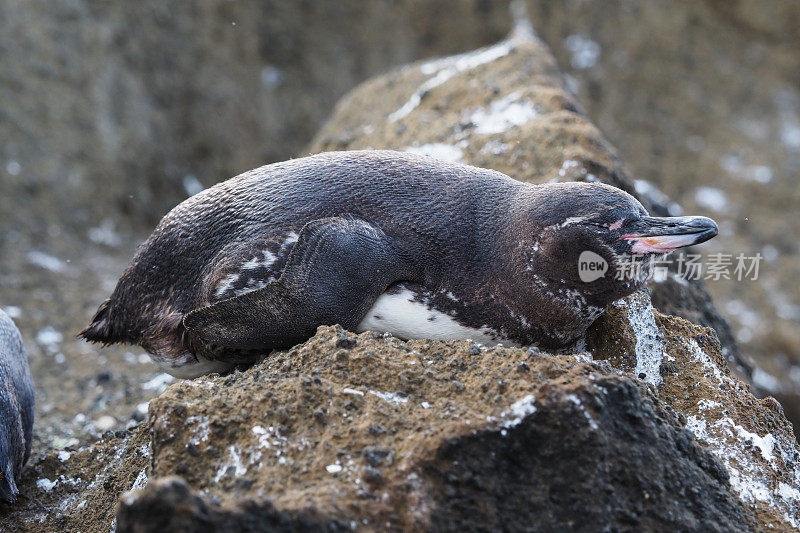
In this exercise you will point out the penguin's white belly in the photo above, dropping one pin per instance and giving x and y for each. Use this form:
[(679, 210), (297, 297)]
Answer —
[(402, 316)]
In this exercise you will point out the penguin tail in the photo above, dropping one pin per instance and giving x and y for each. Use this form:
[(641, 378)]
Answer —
[(102, 328), (8, 488)]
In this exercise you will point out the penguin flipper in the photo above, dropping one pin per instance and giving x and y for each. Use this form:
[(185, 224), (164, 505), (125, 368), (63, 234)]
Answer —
[(335, 272)]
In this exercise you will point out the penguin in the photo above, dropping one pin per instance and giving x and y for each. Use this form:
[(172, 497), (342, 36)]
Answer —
[(379, 240), (16, 408)]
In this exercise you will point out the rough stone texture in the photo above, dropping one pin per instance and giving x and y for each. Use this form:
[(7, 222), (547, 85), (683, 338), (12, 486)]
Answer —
[(169, 504), (78, 489), (502, 107), (751, 436), (372, 432), (591, 447), (417, 433)]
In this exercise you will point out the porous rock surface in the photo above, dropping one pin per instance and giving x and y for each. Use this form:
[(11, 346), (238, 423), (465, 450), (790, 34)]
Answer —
[(377, 433), (77, 489), (371, 432), (683, 362)]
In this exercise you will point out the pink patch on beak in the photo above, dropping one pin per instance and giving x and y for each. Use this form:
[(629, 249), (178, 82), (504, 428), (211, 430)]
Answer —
[(616, 225), (659, 244)]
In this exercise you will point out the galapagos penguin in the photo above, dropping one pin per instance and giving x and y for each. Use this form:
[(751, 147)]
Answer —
[(16, 408), (378, 240)]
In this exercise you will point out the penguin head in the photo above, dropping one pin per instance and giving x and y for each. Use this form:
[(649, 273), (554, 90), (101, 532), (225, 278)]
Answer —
[(600, 241)]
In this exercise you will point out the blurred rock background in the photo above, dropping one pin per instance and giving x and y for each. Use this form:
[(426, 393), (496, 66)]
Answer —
[(111, 113)]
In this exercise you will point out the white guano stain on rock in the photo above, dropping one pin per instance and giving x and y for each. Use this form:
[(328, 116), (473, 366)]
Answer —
[(201, 431), (518, 410), (649, 349), (503, 114), (234, 462), (709, 367), (755, 463), (751, 463), (788, 492), (441, 151), (765, 444), (45, 484), (443, 69), (141, 480), (390, 397), (270, 437), (579, 404)]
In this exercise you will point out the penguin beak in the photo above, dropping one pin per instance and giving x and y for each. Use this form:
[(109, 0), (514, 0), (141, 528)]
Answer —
[(664, 234)]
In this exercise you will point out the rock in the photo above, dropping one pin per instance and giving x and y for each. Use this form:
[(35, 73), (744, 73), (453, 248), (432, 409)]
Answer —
[(110, 107), (685, 363), (169, 504), (550, 435), (592, 446), (78, 489), (566, 444), (504, 107)]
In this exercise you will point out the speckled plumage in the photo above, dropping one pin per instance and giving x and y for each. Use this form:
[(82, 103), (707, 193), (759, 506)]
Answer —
[(16, 408), (259, 261)]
